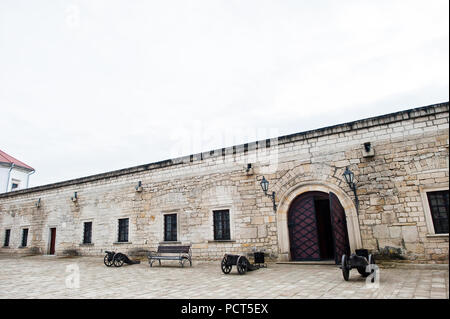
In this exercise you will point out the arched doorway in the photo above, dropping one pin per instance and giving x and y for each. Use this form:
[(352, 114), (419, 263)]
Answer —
[(317, 227)]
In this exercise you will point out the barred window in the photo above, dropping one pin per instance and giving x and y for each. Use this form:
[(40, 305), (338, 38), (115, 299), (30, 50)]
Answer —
[(7, 235), (439, 210), (24, 237), (222, 224), (123, 230), (87, 233), (170, 227)]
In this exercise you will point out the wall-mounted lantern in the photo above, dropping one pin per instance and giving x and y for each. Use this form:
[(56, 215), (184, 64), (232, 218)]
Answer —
[(350, 179), (74, 198), (139, 187), (265, 187), (38, 203)]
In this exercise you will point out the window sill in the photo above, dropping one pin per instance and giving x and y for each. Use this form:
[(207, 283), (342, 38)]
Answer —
[(6, 247), (21, 247), (86, 244), (122, 242), (170, 242), (222, 241), (437, 235)]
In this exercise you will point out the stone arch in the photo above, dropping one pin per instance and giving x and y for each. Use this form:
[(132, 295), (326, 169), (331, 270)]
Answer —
[(289, 195)]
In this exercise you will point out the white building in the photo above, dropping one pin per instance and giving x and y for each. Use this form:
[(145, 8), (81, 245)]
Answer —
[(14, 174)]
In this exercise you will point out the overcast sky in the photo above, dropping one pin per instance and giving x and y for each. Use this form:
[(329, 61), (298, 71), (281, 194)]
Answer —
[(92, 86)]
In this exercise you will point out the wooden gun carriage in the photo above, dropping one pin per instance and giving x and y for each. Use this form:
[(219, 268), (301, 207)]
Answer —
[(241, 262), (117, 259)]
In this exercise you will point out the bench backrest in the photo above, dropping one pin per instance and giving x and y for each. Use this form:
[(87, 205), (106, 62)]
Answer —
[(174, 249)]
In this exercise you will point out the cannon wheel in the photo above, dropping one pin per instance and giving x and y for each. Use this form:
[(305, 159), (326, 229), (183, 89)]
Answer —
[(118, 260), (225, 268), (108, 262), (345, 267), (241, 266), (185, 260), (372, 262)]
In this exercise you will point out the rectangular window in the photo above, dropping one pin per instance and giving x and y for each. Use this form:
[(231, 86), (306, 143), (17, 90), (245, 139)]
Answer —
[(24, 237), (15, 184), (222, 225), (123, 230), (170, 227), (438, 202), (7, 235), (87, 233)]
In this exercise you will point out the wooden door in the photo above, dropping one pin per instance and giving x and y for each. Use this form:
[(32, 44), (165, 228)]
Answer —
[(52, 240), (339, 226), (302, 225)]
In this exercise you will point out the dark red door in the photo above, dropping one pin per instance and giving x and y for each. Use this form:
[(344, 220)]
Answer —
[(52, 240), (302, 225), (339, 226)]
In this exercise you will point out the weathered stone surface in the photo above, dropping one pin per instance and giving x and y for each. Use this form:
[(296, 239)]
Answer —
[(395, 231), (410, 234), (380, 231), (411, 157)]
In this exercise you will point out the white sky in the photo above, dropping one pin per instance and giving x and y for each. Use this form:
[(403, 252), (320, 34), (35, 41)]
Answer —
[(92, 86)]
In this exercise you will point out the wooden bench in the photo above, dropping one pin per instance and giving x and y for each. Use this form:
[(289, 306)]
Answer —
[(165, 252)]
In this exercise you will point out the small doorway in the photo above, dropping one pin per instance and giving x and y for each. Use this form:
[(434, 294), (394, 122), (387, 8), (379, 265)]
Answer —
[(324, 230), (52, 241)]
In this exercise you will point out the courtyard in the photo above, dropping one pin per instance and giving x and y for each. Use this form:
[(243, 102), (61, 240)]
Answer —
[(88, 277)]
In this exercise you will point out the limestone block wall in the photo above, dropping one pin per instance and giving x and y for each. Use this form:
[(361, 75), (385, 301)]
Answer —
[(411, 157)]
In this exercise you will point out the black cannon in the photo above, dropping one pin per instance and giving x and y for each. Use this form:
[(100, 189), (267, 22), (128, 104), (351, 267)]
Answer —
[(241, 262), (117, 259), (361, 260)]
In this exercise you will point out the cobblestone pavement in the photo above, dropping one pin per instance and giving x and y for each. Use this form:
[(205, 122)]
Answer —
[(54, 277)]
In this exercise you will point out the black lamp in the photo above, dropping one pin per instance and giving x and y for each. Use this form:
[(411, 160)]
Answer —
[(350, 179), (265, 187)]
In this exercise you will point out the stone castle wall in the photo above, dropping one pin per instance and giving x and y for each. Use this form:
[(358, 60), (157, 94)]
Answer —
[(411, 157)]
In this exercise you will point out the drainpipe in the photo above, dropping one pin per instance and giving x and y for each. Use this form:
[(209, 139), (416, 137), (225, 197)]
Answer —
[(28, 176), (9, 175)]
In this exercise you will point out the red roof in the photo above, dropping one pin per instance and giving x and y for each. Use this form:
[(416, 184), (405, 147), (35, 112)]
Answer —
[(5, 158)]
